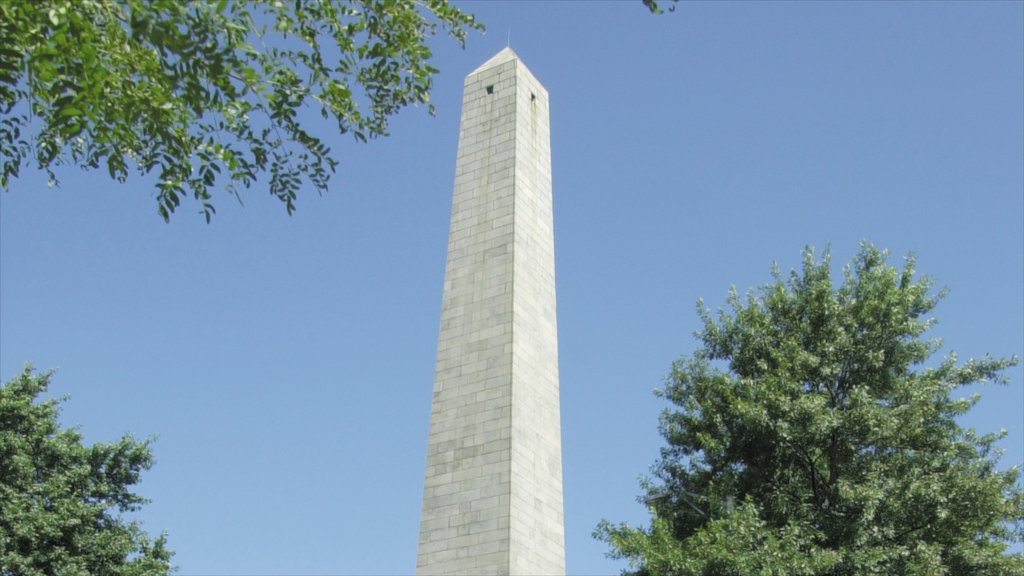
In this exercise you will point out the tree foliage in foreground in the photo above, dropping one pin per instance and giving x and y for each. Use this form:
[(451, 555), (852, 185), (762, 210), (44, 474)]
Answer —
[(60, 500), (811, 435), (656, 8), (208, 93)]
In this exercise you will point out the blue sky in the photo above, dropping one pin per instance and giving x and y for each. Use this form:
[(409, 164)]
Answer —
[(286, 363)]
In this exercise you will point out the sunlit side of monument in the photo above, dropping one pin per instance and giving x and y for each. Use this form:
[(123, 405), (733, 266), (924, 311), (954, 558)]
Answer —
[(492, 497)]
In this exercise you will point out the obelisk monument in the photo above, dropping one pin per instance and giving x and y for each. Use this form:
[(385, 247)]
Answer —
[(492, 498)]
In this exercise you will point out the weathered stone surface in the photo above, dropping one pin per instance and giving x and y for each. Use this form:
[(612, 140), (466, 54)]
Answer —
[(492, 498)]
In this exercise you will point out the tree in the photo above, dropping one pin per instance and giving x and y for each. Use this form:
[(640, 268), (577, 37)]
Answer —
[(810, 435), (196, 92), (59, 499)]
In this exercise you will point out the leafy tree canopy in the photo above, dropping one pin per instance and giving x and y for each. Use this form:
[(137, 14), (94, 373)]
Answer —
[(60, 500), (810, 435), (207, 92)]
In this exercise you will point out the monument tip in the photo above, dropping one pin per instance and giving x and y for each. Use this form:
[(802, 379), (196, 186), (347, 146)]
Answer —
[(503, 55)]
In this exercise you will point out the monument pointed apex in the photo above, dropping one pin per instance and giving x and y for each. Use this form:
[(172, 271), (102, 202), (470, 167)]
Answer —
[(501, 57)]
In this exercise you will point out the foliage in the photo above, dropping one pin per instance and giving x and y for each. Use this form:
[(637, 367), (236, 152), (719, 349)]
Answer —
[(58, 496), (655, 7), (207, 91), (810, 435)]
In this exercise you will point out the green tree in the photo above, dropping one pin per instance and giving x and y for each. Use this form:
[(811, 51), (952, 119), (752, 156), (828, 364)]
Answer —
[(60, 501), (810, 435), (200, 92)]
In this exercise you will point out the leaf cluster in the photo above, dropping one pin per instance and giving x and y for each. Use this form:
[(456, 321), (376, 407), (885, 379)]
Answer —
[(211, 93), (655, 7), (810, 435), (61, 500)]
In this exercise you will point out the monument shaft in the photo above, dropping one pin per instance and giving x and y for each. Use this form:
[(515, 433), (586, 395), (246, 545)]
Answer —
[(492, 499)]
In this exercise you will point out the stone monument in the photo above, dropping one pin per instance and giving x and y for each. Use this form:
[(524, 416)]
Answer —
[(492, 497)]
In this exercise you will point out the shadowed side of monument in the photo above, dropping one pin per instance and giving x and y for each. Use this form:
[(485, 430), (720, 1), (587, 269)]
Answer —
[(492, 498)]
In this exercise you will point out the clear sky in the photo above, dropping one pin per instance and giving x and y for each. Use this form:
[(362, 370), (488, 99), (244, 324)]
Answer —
[(286, 363)]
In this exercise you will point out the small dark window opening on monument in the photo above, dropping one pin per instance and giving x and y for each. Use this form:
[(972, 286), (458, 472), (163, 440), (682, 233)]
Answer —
[(490, 89), (532, 96)]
